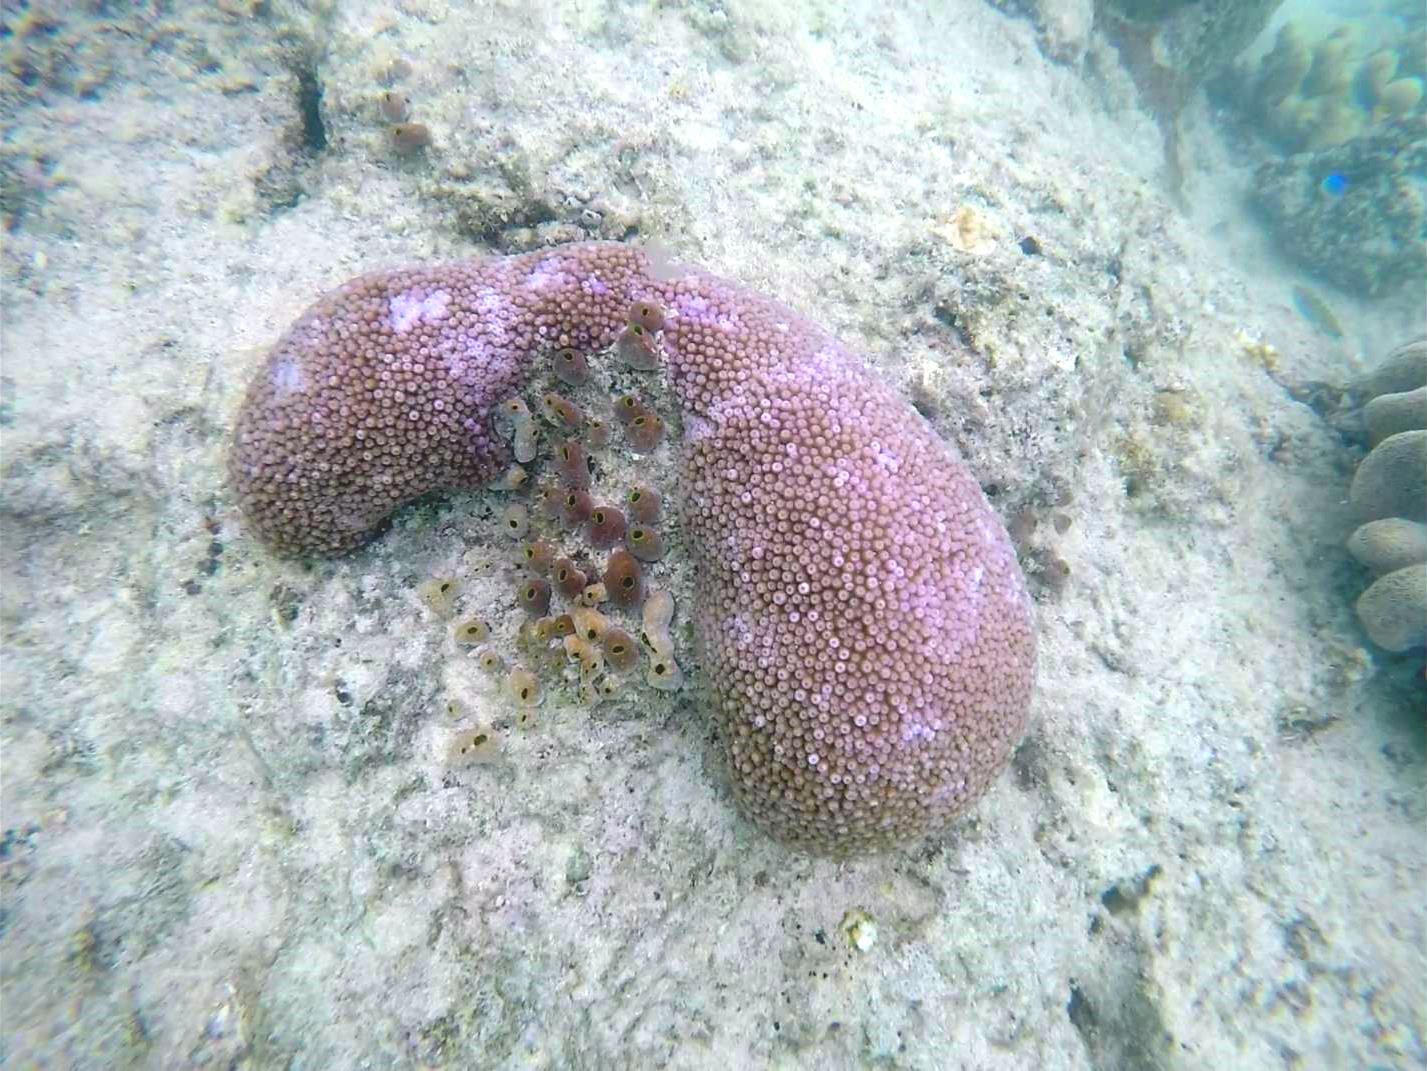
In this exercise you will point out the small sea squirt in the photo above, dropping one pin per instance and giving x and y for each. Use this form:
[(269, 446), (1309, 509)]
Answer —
[(862, 623)]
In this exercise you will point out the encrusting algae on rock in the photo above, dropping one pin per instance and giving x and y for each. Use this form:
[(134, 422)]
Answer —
[(863, 625)]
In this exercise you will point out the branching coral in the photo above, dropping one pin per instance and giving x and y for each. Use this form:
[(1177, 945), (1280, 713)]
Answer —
[(1344, 185), (865, 628), (1171, 46)]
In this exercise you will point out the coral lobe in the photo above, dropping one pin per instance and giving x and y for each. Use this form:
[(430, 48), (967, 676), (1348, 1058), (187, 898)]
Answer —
[(863, 620)]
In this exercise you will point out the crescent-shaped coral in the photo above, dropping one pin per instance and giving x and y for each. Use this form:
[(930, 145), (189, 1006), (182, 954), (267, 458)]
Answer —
[(863, 625)]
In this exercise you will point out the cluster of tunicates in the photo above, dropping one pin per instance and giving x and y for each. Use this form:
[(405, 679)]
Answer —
[(584, 549)]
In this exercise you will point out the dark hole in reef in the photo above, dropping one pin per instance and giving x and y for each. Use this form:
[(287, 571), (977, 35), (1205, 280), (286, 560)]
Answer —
[(951, 318), (1029, 764), (1082, 1016), (1116, 901), (309, 107), (1030, 247), (1126, 895)]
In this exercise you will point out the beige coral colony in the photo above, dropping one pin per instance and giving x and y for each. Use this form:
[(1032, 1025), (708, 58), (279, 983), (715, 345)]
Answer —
[(1389, 499)]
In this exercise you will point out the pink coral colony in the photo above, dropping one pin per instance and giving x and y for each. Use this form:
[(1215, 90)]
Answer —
[(863, 624)]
